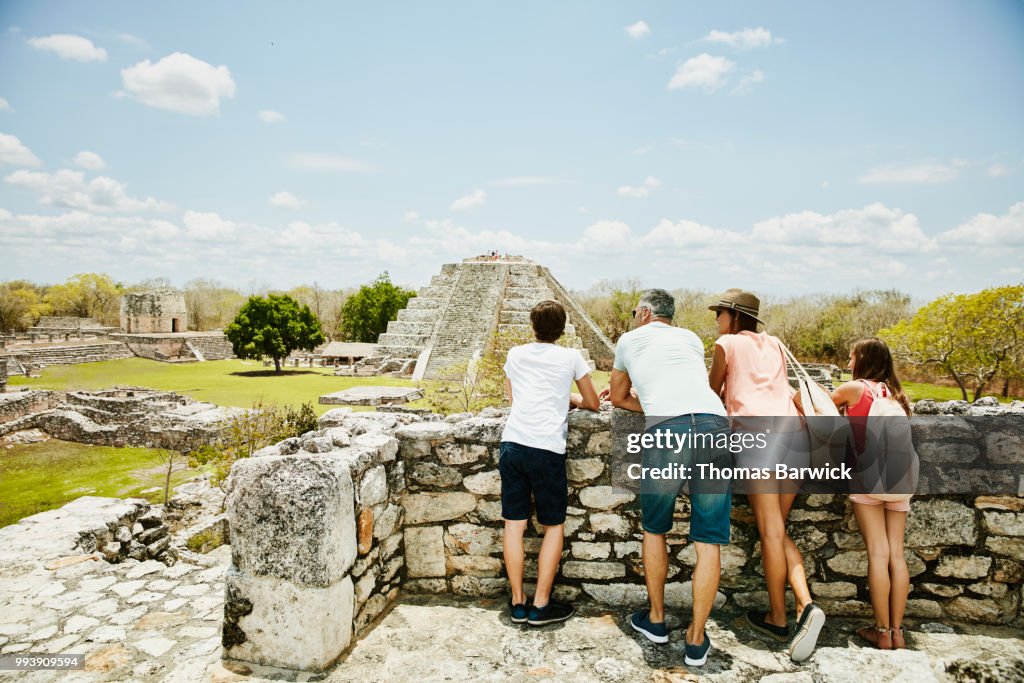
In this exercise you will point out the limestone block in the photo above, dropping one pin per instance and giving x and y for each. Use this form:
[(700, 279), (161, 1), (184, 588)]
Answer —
[(424, 551), (432, 474), (855, 563), (591, 551), (460, 454), (474, 565), (927, 609), (276, 622), (589, 421), (484, 483), (617, 594), (985, 611), (604, 497), (364, 531), (584, 469), (436, 507), (628, 548), (387, 522), (1006, 503), (334, 418), (386, 446), (480, 430), (990, 589), (1011, 547), (390, 545), (373, 488), (593, 570), (943, 590), (1005, 523), (940, 522), (293, 517), (972, 567), (610, 523), (472, 539), (833, 589), (479, 586), (430, 432)]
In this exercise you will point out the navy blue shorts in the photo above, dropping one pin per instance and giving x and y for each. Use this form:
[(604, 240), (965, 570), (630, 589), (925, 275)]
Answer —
[(710, 502), (527, 471)]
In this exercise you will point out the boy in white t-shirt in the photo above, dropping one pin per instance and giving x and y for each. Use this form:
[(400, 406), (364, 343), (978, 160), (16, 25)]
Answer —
[(538, 380)]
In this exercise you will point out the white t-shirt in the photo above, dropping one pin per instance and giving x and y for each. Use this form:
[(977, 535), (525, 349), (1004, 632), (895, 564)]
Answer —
[(541, 377), (666, 365)]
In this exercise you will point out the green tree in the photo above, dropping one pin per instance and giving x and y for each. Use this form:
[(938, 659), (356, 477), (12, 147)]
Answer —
[(21, 304), (610, 305), (273, 326), (971, 337), (366, 313)]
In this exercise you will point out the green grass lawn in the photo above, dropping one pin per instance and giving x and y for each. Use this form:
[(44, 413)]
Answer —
[(43, 476), (224, 382), (918, 390)]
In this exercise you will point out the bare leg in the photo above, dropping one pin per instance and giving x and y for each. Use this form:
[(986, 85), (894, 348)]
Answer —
[(547, 563), (772, 528), (794, 560), (871, 520), (655, 559), (512, 544), (705, 586), (899, 575)]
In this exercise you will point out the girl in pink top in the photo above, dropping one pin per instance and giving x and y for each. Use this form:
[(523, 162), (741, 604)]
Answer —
[(748, 369), (881, 524)]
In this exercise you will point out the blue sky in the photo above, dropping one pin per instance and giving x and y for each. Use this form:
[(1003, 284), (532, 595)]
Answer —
[(788, 148)]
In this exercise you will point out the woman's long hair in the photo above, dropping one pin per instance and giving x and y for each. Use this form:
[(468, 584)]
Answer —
[(872, 361)]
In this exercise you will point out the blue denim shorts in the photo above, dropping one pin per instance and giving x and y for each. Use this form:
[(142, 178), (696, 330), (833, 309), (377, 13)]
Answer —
[(710, 502)]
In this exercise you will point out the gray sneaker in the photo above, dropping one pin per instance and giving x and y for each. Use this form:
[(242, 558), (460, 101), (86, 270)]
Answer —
[(808, 628)]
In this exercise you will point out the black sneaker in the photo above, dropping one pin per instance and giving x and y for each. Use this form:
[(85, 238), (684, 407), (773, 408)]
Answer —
[(517, 613), (807, 631), (550, 613), (757, 621)]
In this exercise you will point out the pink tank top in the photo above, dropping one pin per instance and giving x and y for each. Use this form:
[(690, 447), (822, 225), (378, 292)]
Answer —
[(756, 382)]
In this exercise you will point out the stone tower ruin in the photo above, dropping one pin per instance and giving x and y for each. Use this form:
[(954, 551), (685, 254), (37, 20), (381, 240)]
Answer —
[(156, 311), (456, 316)]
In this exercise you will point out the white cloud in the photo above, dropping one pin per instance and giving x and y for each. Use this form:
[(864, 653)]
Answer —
[(986, 229), (475, 198), (207, 226), (638, 30), (326, 162), (606, 236), (67, 188), (133, 40), (999, 170), (884, 229), (923, 173), (286, 200), (4, 105), (270, 116), (744, 39), (639, 191), (68, 46), (179, 82), (14, 153), (410, 217), (524, 180), (748, 82), (686, 233), (90, 160), (703, 71)]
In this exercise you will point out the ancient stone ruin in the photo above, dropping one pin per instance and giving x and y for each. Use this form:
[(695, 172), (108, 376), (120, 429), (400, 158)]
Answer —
[(455, 317), (159, 310), (329, 527)]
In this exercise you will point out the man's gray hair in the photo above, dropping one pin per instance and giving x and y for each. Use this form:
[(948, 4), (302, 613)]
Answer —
[(661, 303)]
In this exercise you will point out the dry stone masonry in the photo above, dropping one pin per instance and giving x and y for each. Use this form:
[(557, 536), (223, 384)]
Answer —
[(339, 519)]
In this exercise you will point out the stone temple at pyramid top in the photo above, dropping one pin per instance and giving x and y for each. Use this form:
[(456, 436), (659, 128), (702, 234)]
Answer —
[(457, 314)]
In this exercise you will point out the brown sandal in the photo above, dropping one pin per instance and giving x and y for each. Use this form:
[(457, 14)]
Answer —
[(898, 641), (879, 636)]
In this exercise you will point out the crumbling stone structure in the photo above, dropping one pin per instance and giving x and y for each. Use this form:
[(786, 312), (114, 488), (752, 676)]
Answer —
[(159, 310), (455, 317), (376, 502), (117, 417)]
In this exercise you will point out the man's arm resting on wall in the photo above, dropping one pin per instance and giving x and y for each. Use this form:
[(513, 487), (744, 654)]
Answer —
[(620, 394)]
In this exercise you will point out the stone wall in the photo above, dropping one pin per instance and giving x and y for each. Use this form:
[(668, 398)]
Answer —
[(14, 406), (316, 541), (67, 354), (328, 526), (161, 310)]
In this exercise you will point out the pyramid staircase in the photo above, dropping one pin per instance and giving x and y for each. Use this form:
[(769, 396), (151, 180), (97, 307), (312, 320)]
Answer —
[(456, 316)]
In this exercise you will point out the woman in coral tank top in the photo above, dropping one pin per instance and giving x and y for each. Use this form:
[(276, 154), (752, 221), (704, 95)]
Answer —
[(881, 524), (748, 369)]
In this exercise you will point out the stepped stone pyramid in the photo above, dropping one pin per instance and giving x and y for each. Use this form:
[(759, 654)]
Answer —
[(455, 316)]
